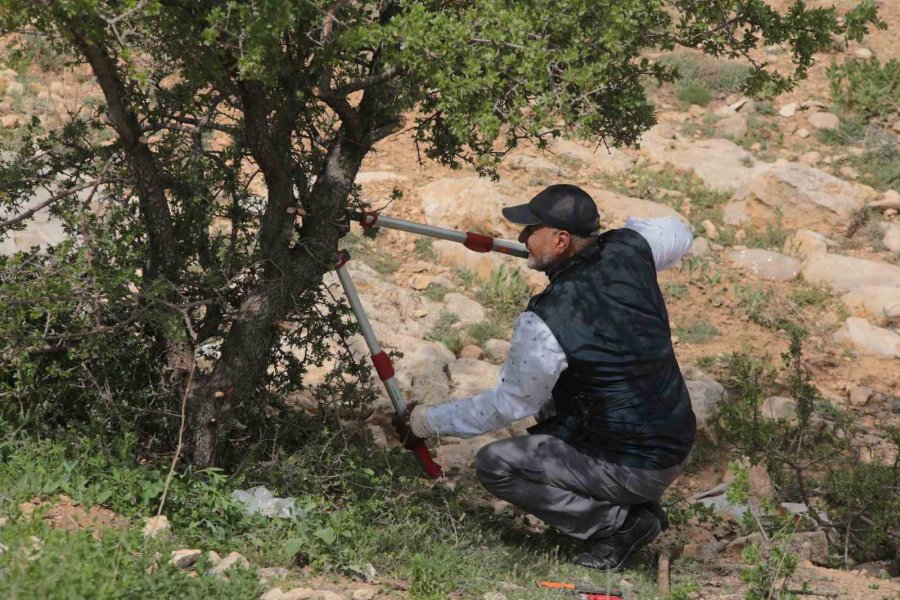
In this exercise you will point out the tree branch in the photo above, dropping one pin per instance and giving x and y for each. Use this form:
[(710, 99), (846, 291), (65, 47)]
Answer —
[(54, 198)]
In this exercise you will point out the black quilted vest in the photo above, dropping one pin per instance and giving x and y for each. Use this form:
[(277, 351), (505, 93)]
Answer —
[(622, 397)]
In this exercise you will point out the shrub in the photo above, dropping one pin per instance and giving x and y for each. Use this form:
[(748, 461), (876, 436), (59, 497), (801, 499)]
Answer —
[(693, 92), (447, 333), (505, 294), (866, 87)]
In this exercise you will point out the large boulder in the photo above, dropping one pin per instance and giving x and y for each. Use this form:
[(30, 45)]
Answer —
[(466, 310), (765, 264), (798, 197), (877, 303), (469, 204), (720, 164), (845, 273), (615, 208), (891, 239), (868, 339), (608, 160), (804, 243), (533, 164)]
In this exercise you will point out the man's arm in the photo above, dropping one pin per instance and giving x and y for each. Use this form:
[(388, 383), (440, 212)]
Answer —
[(526, 380), (669, 238)]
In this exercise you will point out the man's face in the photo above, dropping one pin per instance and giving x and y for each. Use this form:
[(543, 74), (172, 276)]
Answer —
[(546, 245)]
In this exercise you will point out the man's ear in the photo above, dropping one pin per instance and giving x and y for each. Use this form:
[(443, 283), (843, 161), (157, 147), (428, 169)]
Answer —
[(565, 240)]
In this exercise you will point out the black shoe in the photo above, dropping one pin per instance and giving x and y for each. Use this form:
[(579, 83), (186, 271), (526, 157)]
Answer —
[(612, 553), (657, 509)]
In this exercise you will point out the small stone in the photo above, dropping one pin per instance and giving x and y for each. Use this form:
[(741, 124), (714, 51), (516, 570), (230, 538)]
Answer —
[(14, 88), (862, 53), (896, 126), (365, 593), (213, 558), (810, 159), (268, 573), (707, 552), (890, 212), (803, 132), (710, 229), (185, 558), (868, 338), (788, 110), (859, 395), (10, 121), (233, 559), (493, 596), (496, 350), (155, 526), (889, 199), (471, 351), (4, 521), (273, 594), (418, 313), (760, 483), (824, 120), (849, 172), (420, 282), (780, 407), (700, 246), (311, 594)]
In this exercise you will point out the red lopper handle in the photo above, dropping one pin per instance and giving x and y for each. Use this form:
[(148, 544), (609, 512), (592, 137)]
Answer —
[(432, 469)]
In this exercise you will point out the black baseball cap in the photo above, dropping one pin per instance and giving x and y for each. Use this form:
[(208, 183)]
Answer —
[(562, 206)]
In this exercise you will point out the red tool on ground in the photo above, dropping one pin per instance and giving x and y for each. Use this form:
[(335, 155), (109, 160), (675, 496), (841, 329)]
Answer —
[(582, 593), (381, 361)]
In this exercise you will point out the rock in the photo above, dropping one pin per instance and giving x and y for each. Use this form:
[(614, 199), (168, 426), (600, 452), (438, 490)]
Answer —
[(805, 243), (811, 545), (14, 88), (608, 160), (863, 53), (875, 569), (269, 573), (10, 121), (420, 281), (858, 395), (233, 559), (896, 126), (533, 163), (273, 594), (737, 545), (213, 558), (879, 304), (705, 552), (705, 393), (471, 351), (185, 558), (468, 204), (766, 264), (788, 110), (891, 239), (868, 338), (780, 407), (810, 159), (377, 176), (733, 128), (420, 372), (700, 247), (889, 199), (719, 163), (709, 228), (469, 376), (845, 273), (800, 197), (724, 508), (311, 594), (493, 596), (616, 208), (496, 350), (803, 133), (848, 172), (365, 593), (760, 483), (156, 526), (468, 311), (824, 120)]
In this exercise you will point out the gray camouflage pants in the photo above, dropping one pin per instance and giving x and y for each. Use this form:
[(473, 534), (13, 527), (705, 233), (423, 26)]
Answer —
[(579, 495)]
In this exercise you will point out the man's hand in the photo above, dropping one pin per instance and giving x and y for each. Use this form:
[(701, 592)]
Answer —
[(403, 429)]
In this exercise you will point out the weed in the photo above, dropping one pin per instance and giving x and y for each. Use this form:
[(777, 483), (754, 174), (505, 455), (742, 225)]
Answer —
[(482, 331), (505, 294), (866, 87), (425, 249), (698, 332), (436, 292), (852, 130), (446, 333), (808, 294), (674, 290), (765, 107), (714, 75), (772, 235), (693, 92)]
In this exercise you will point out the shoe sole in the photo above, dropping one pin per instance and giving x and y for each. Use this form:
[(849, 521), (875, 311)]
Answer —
[(638, 544)]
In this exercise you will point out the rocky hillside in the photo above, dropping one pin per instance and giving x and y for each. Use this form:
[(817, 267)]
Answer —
[(794, 202)]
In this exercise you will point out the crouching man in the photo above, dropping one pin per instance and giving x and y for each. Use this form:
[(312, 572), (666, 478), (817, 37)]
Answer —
[(592, 357)]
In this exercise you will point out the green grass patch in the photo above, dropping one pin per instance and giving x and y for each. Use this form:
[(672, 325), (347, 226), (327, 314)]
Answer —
[(700, 77), (483, 331), (693, 92), (674, 290), (447, 333), (505, 292), (867, 87), (698, 332), (436, 292), (811, 295), (771, 235), (425, 249)]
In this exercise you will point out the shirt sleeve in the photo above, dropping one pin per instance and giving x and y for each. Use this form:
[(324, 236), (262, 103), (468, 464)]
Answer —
[(669, 238), (526, 380)]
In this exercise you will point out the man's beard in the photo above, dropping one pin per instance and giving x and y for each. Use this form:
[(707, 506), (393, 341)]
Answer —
[(539, 263)]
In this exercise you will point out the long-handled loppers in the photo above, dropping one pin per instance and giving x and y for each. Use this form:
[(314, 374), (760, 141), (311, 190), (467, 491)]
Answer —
[(381, 361)]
